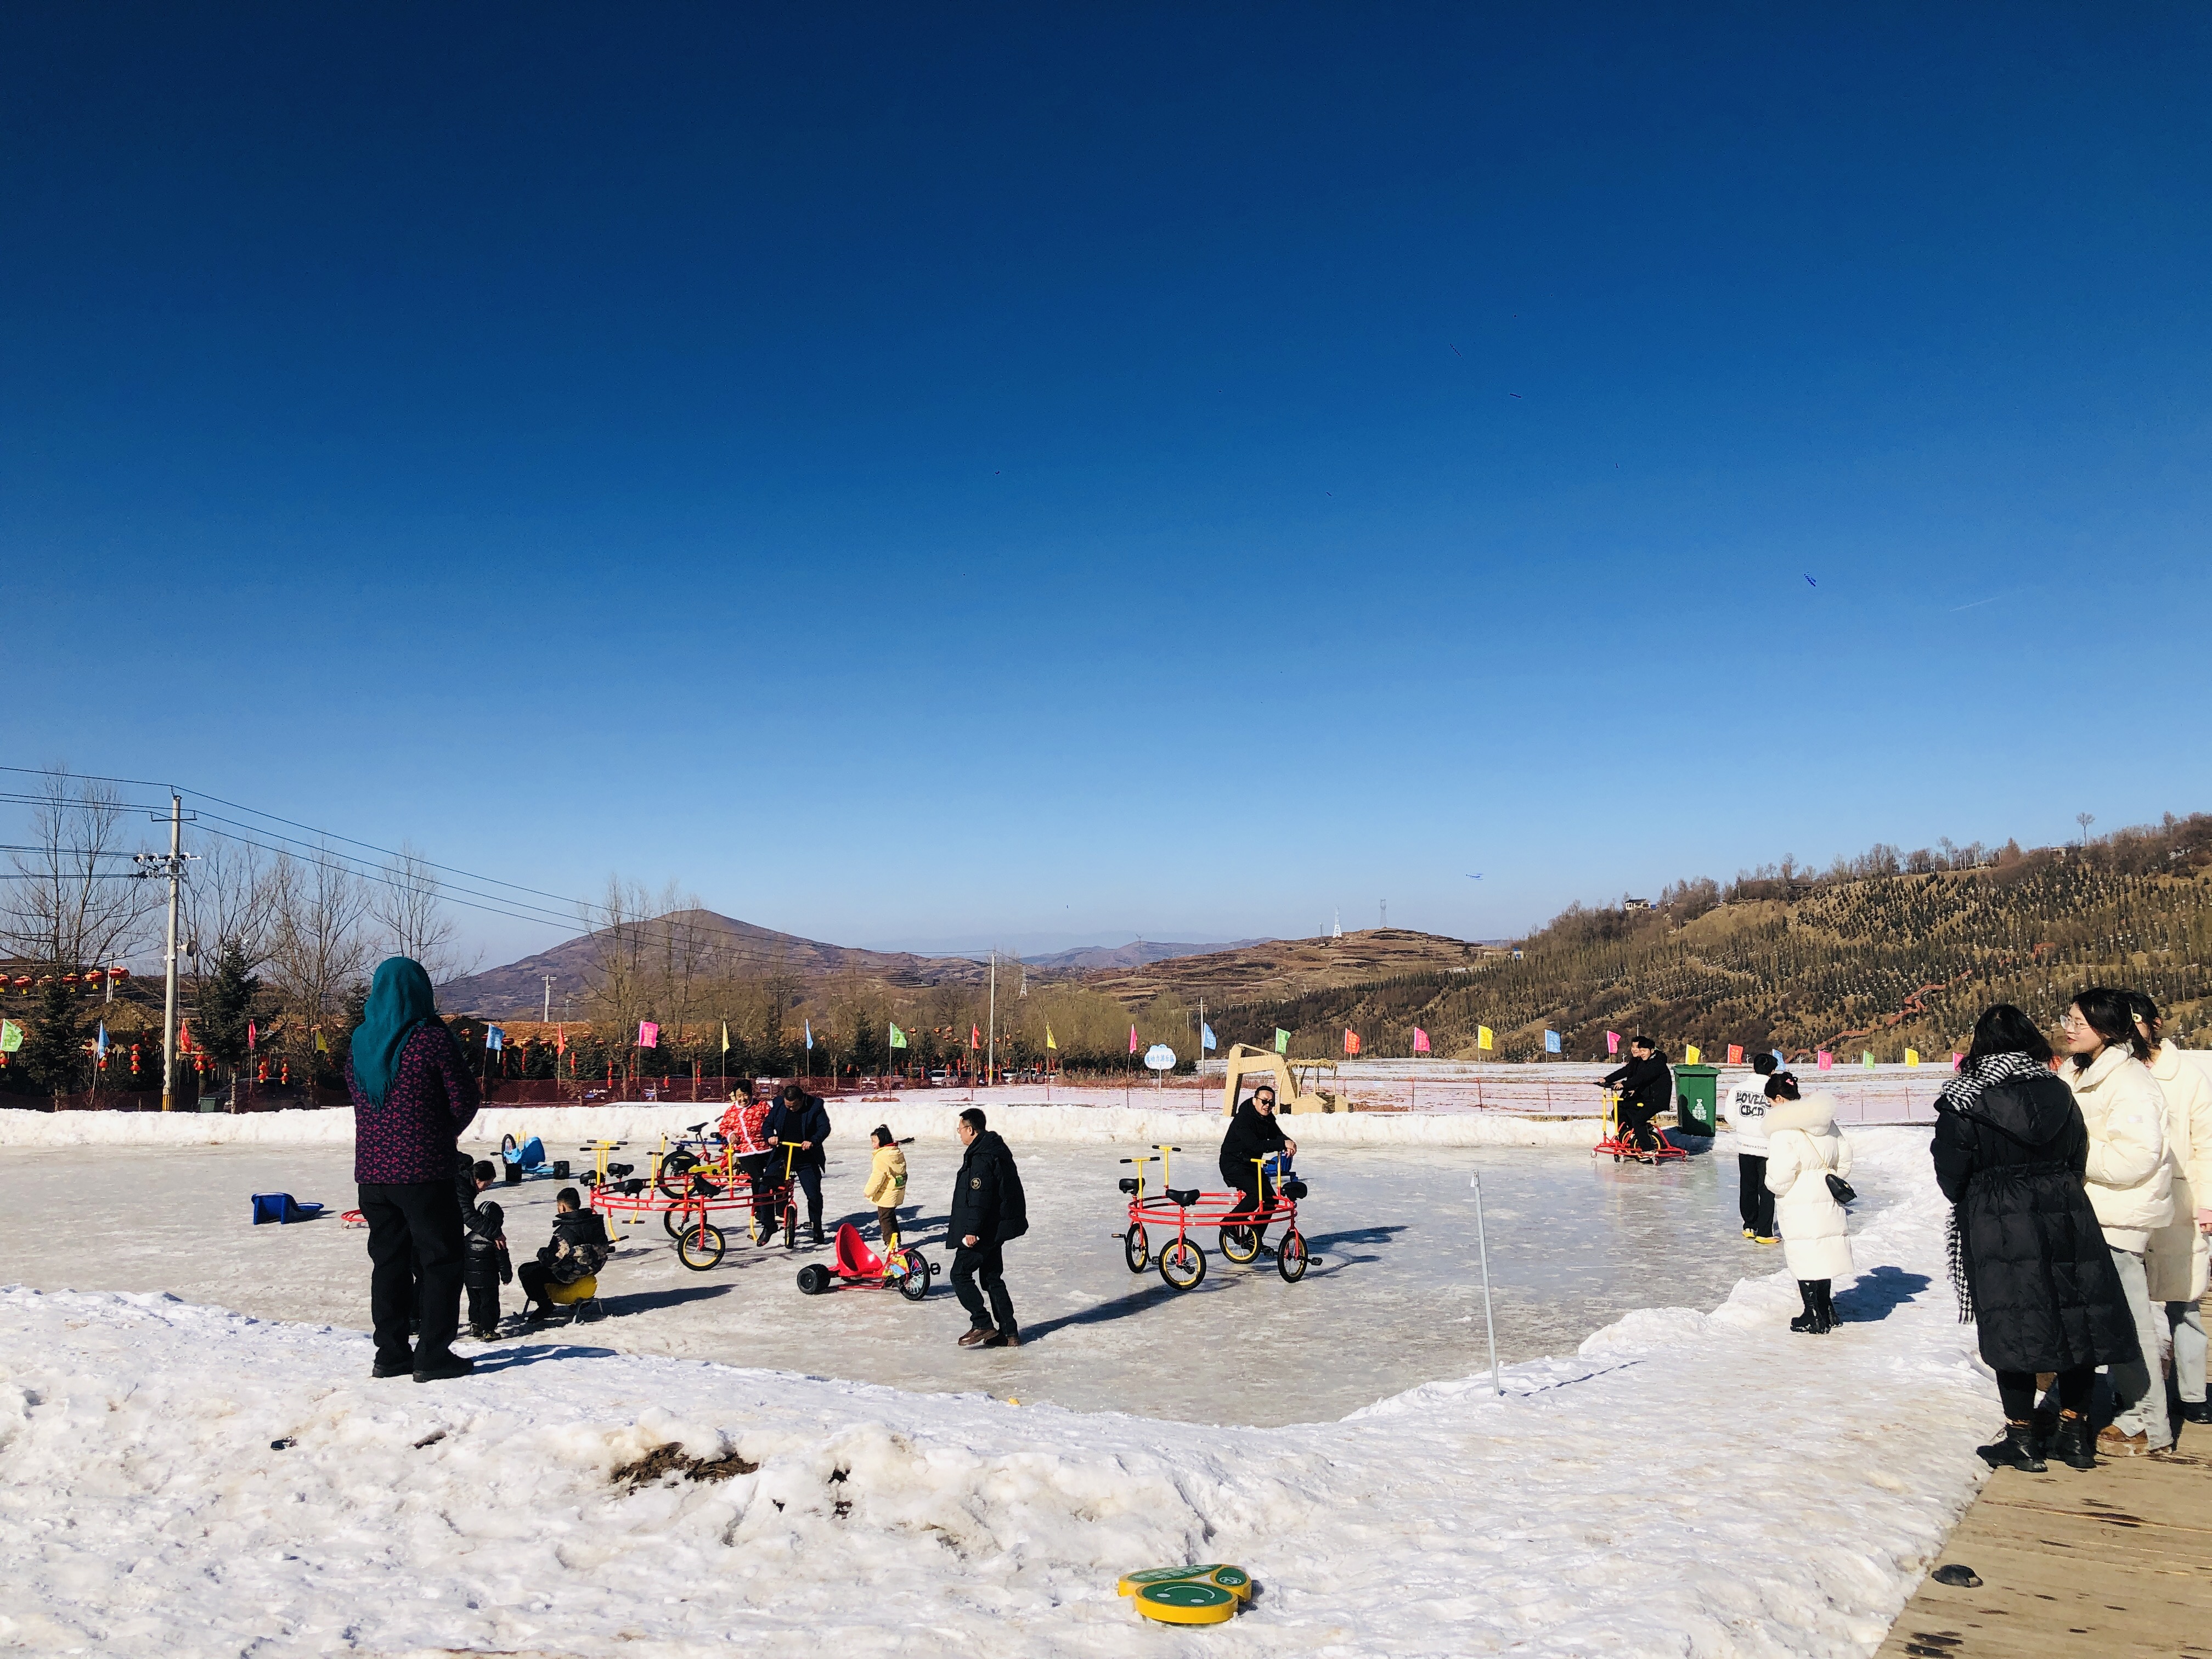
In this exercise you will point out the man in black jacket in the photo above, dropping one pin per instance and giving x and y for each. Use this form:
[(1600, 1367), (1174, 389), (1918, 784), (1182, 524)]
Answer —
[(801, 1120), (485, 1264), (987, 1209), (1644, 1083), (579, 1247)]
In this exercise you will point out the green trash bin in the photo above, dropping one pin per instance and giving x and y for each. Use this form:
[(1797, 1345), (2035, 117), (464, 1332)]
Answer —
[(1697, 1099)]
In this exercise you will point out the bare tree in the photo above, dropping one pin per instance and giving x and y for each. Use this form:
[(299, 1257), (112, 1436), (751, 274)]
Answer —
[(320, 949), (72, 903), (405, 904), (231, 895)]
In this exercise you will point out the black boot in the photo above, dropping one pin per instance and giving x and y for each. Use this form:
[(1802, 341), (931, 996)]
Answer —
[(2074, 1443), (2016, 1450), (1808, 1323), (1824, 1306)]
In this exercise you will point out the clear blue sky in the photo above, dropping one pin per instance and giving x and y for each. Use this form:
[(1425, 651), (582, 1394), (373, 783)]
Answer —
[(940, 474)]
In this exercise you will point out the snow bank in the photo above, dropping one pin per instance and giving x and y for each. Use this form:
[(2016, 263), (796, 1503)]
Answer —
[(565, 1127), (1690, 1483)]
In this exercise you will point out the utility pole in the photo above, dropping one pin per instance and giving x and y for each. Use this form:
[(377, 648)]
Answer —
[(993, 1049), (173, 866), (548, 1000)]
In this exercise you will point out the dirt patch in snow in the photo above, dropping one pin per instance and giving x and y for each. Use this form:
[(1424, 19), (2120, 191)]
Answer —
[(672, 1459)]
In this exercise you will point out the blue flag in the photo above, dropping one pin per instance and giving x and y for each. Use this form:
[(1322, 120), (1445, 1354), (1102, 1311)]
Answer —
[(809, 1032), (495, 1039), (101, 1048), (1551, 1043), (1206, 1036)]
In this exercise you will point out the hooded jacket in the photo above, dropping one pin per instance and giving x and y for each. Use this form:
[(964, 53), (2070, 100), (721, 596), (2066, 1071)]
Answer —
[(886, 1187), (986, 1197), (1803, 1149), (2176, 1257), (2046, 1295), (1647, 1082), (1252, 1133), (580, 1246), (2130, 1183)]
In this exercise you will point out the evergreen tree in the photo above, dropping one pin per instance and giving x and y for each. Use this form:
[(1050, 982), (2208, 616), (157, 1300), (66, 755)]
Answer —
[(226, 1007), (52, 1054)]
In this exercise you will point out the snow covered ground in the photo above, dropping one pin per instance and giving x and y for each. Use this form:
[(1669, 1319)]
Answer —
[(1685, 1483)]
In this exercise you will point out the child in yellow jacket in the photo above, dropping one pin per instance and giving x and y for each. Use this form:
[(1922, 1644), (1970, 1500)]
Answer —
[(886, 1187)]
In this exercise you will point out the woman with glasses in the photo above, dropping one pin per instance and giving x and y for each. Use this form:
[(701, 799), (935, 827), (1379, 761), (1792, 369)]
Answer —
[(2029, 1263), (2130, 1183)]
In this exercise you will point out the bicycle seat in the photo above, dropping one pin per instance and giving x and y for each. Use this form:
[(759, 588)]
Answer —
[(1294, 1189), (1184, 1197), (1128, 1184), (614, 1170), (695, 1127), (632, 1188)]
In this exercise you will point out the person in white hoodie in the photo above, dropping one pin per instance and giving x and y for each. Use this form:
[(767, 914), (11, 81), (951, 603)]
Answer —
[(1803, 1149), (1745, 1108), (2179, 1255), (2131, 1187)]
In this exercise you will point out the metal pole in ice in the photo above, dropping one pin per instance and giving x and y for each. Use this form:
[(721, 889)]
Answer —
[(1490, 1324)]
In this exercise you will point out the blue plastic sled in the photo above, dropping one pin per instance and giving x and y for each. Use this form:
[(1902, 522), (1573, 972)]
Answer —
[(283, 1206), (531, 1155)]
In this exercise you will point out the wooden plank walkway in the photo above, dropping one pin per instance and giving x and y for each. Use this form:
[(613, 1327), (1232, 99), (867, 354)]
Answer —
[(2115, 1563)]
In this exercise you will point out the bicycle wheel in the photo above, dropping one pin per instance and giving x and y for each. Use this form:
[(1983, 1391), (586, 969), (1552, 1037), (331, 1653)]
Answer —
[(1290, 1257), (1239, 1244), (791, 1226), (699, 1247), (1183, 1264), (673, 1169), (1136, 1248), (914, 1280), (671, 1219)]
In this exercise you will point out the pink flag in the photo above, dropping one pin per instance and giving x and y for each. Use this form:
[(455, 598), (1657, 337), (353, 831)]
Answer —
[(1956, 1058), (250, 1041), (1133, 1039), (1612, 1042), (1825, 1059), (648, 1035), (1420, 1041)]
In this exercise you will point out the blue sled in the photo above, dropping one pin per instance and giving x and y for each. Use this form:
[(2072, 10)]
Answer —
[(281, 1207)]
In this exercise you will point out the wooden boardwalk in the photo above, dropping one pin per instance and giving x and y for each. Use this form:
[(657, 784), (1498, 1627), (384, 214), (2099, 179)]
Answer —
[(2111, 1563)]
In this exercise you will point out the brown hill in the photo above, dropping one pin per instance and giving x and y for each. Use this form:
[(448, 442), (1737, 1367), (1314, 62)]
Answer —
[(1274, 970), (717, 946)]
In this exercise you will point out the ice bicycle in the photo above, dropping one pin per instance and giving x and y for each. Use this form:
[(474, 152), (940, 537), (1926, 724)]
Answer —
[(688, 1200), (1623, 1144), (1188, 1209)]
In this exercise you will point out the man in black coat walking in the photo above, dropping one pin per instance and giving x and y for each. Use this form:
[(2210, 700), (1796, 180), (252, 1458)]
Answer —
[(801, 1120), (1644, 1083), (987, 1209)]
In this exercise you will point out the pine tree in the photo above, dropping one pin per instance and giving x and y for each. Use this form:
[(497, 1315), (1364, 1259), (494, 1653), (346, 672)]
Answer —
[(52, 1054), (226, 1007)]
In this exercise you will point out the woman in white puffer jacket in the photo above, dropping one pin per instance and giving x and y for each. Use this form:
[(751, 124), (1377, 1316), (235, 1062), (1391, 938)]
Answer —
[(1803, 1149), (2129, 1181), (2179, 1255)]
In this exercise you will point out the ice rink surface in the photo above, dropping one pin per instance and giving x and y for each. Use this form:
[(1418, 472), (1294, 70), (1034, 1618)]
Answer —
[(1392, 1298)]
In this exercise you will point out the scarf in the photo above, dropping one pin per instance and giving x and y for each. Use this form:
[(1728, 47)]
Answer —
[(1974, 1079), (399, 1000)]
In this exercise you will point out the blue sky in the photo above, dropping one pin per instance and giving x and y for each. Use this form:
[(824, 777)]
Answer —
[(1043, 474)]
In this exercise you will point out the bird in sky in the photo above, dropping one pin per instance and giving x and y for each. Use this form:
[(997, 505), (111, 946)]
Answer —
[(1476, 877), (1455, 351), (1809, 582)]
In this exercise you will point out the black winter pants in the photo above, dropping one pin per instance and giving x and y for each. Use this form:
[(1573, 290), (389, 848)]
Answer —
[(1636, 1124), (1754, 1200), (809, 1177), (483, 1295), (2016, 1389), (414, 1252), (1248, 1200), (987, 1263)]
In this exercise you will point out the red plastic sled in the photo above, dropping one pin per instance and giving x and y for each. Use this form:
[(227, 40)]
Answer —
[(851, 1262)]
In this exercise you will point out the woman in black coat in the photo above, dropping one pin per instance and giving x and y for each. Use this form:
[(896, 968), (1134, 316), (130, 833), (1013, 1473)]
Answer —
[(2028, 1259)]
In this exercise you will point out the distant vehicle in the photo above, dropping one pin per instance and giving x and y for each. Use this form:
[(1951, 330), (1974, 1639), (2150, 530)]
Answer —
[(937, 1078)]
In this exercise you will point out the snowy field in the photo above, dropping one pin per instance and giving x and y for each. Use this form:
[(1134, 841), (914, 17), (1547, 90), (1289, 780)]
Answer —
[(1679, 1482)]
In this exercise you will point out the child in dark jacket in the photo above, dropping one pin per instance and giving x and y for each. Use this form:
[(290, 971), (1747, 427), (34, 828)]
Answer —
[(486, 1264), (579, 1247)]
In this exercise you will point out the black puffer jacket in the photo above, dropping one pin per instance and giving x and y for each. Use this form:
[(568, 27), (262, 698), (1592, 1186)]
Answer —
[(2046, 1297), (986, 1198), (1642, 1082), (1252, 1133), (809, 1120), (579, 1248)]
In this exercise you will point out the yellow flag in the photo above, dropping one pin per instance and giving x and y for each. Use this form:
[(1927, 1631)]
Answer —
[(321, 1046), (1690, 1056), (1912, 1056), (1048, 1042), (1482, 1037)]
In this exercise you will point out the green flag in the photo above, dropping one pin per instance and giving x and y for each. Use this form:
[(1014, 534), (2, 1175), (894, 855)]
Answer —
[(1282, 1041), (11, 1036), (898, 1037)]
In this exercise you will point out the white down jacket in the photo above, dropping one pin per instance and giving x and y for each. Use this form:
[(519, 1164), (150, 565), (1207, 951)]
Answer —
[(2131, 1183), (1803, 1149), (2178, 1256)]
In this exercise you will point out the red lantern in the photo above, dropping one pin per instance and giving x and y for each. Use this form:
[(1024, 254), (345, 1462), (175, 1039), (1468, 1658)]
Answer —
[(261, 1072), (284, 1071), (133, 1060)]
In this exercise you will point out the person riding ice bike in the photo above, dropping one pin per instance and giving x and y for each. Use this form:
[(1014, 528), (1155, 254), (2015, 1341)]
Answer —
[(1255, 1135), (1645, 1084)]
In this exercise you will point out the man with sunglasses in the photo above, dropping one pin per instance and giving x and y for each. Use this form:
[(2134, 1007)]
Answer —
[(1253, 1134)]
